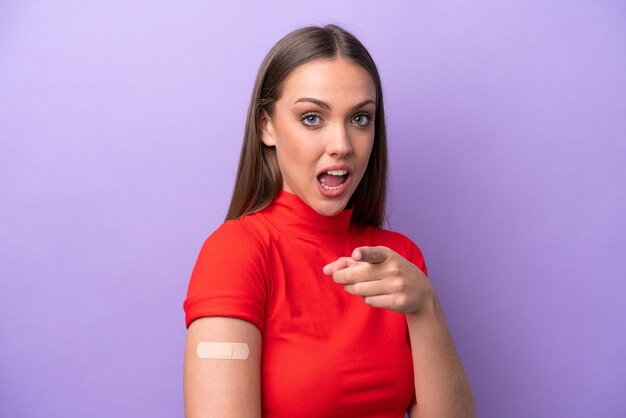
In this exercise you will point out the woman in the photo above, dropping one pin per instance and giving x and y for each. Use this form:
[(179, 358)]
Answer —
[(300, 305)]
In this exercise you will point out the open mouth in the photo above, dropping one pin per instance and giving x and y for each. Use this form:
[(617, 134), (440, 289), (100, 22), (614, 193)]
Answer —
[(333, 179)]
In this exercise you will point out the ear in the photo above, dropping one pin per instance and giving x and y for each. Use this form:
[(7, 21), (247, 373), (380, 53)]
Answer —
[(267, 129)]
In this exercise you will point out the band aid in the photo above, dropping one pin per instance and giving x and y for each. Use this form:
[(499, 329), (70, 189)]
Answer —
[(222, 350)]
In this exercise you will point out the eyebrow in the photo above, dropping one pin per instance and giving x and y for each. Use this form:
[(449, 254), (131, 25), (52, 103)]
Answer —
[(327, 106)]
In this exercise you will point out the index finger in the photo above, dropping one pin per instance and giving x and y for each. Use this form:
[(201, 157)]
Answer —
[(372, 255)]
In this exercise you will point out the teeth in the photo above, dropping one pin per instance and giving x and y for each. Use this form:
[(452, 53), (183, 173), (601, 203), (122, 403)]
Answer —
[(330, 187), (337, 172)]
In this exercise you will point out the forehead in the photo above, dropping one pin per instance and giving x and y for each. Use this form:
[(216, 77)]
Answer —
[(329, 79)]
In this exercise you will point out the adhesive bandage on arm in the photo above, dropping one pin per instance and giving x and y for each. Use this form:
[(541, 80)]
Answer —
[(222, 350)]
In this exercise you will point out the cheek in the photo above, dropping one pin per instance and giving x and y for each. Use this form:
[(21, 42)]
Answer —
[(296, 147), (363, 148)]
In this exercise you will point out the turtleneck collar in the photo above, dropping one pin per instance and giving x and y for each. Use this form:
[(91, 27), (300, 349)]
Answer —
[(292, 215)]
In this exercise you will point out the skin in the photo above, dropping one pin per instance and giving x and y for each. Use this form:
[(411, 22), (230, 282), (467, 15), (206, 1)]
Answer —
[(309, 138)]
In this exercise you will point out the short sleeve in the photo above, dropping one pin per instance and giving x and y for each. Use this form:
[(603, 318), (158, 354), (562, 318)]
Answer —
[(416, 257), (229, 277)]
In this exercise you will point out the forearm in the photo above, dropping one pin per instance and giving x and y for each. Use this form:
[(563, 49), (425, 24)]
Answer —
[(441, 386)]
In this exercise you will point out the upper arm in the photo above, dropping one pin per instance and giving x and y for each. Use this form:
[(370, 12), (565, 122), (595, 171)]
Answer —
[(222, 388), (226, 302)]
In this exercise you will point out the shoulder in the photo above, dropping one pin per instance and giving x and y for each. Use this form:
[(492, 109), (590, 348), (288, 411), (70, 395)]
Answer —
[(229, 278), (235, 241), (234, 249), (245, 231)]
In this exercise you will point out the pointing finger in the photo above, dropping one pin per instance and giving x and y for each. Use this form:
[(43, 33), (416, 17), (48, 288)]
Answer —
[(372, 255)]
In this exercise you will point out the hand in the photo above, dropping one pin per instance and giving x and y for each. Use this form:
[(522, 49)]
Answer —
[(384, 279)]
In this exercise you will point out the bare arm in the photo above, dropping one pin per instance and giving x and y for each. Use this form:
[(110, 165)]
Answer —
[(224, 388), (441, 386)]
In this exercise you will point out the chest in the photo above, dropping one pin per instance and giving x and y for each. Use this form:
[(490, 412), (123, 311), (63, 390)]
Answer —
[(326, 351)]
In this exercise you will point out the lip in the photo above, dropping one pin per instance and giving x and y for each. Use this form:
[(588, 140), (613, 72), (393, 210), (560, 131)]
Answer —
[(335, 167), (342, 189)]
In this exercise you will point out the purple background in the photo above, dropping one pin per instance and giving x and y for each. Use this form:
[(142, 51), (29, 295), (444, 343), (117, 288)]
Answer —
[(120, 129)]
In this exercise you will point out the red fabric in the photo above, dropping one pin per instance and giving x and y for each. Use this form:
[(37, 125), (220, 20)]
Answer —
[(326, 353)]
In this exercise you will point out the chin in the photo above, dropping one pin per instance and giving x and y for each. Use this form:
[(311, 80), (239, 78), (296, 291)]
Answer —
[(331, 208)]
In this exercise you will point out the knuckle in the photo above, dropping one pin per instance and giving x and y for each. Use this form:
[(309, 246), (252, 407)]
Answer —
[(399, 300), (395, 270), (400, 285)]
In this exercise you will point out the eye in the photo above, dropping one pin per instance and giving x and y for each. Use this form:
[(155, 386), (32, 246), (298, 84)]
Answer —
[(362, 119), (310, 118)]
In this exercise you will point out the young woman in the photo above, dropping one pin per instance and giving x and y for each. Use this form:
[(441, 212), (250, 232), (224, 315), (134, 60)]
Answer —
[(300, 304)]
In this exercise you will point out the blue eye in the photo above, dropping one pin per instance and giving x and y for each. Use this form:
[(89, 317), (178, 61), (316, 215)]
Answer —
[(310, 118), (362, 116)]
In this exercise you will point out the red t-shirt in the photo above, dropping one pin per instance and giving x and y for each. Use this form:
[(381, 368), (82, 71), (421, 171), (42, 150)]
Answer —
[(325, 353)]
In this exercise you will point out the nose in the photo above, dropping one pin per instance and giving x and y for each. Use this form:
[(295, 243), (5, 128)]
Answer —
[(338, 143)]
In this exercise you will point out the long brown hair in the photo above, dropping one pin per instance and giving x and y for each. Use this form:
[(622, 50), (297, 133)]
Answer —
[(259, 180)]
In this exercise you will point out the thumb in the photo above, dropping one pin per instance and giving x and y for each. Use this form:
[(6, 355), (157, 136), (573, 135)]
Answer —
[(339, 264)]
